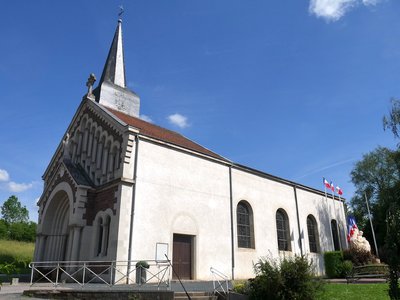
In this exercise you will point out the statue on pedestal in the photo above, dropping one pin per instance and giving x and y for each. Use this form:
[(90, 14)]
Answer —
[(357, 241)]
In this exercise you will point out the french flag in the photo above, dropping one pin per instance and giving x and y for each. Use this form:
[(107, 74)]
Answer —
[(339, 191), (351, 227), (326, 183), (332, 187)]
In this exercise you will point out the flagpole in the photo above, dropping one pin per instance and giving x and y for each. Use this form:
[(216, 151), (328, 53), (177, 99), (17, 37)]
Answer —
[(336, 215), (346, 218), (372, 227), (339, 192)]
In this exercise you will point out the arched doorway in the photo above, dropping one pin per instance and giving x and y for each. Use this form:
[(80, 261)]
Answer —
[(55, 228)]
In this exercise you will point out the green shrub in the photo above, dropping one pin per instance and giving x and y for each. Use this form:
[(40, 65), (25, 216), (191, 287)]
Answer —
[(7, 268), (358, 257), (291, 278), (142, 264), (241, 287), (22, 231), (333, 263), (3, 230), (346, 268)]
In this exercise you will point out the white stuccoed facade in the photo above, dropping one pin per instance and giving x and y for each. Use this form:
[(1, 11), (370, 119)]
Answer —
[(118, 185)]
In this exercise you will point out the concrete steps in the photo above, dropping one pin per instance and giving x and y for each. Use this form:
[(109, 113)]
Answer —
[(194, 296)]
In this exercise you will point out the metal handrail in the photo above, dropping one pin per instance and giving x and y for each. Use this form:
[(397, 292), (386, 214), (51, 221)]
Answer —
[(177, 276), (219, 279), (103, 272)]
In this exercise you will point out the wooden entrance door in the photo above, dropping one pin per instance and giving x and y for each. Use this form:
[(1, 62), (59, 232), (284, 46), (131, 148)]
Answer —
[(182, 256)]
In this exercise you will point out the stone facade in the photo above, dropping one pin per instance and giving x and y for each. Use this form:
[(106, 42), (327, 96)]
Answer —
[(117, 186)]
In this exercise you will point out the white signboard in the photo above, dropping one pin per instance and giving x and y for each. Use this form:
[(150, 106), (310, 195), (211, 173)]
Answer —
[(161, 251)]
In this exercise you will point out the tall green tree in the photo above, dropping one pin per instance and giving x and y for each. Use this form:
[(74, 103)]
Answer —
[(393, 246), (375, 175), (392, 121), (13, 211)]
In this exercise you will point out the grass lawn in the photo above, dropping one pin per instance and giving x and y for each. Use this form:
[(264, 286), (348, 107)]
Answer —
[(373, 291), (16, 250)]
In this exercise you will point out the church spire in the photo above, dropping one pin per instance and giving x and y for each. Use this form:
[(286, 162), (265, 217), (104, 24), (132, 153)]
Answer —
[(112, 91), (114, 68)]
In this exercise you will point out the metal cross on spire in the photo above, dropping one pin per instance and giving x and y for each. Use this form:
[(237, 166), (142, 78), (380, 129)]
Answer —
[(121, 11)]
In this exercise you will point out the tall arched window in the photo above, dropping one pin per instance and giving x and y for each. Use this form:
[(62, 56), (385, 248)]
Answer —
[(282, 228), (335, 235), (103, 235), (245, 232), (312, 234), (99, 236), (106, 234)]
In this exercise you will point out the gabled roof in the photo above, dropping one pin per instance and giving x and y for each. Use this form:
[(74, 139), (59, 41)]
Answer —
[(77, 172), (162, 134)]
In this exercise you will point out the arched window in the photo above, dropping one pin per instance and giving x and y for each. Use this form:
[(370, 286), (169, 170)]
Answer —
[(103, 235), (312, 234), (282, 228), (99, 236), (335, 235), (106, 234), (245, 232)]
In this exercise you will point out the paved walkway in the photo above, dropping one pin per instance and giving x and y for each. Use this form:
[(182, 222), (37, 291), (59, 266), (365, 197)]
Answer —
[(15, 291), (12, 292)]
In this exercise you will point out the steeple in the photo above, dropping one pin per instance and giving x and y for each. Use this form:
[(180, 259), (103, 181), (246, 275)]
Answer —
[(112, 91), (114, 68)]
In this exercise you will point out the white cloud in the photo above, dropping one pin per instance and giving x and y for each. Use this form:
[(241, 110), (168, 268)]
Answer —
[(178, 120), (333, 10), (19, 187), (146, 118), (4, 175), (371, 2)]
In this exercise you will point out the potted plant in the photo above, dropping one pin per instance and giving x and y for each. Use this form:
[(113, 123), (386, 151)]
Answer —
[(141, 272)]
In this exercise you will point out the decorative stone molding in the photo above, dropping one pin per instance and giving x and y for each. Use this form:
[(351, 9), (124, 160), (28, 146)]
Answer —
[(62, 176)]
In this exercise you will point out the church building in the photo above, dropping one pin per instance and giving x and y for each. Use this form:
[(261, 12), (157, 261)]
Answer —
[(119, 188)]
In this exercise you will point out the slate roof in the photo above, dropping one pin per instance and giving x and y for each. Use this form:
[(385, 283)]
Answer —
[(109, 70), (162, 134), (77, 172)]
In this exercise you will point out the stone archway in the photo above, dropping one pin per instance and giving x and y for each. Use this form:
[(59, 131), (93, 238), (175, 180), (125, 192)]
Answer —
[(55, 228)]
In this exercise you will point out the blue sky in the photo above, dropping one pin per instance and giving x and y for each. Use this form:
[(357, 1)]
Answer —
[(296, 89)]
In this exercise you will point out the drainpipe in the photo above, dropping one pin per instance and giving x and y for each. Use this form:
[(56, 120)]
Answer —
[(345, 223), (231, 207), (132, 209), (298, 219)]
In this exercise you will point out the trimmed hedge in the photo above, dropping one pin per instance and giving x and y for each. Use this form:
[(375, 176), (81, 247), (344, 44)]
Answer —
[(333, 264)]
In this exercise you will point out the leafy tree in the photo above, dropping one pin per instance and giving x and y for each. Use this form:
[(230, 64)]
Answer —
[(392, 121), (375, 175), (393, 245), (392, 196), (22, 231), (13, 212), (3, 230)]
